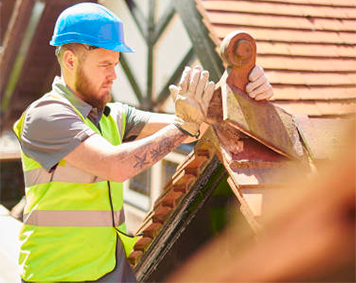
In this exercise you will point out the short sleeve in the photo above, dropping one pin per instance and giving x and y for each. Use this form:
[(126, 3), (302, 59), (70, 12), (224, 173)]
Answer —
[(51, 130), (135, 119)]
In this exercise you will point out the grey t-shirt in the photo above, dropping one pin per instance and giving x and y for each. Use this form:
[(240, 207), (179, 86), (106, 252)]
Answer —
[(52, 128)]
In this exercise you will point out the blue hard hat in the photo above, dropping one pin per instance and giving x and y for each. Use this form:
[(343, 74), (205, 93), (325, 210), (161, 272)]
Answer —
[(92, 24)]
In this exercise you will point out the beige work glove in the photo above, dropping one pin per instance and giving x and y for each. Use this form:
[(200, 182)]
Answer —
[(191, 99), (259, 87)]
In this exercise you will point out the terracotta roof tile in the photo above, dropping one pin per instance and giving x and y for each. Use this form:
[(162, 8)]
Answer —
[(143, 244), (135, 257), (288, 92), (175, 190), (283, 22), (257, 166), (272, 177), (172, 198), (328, 108), (307, 48), (340, 3), (348, 24), (161, 213), (300, 107), (316, 108), (310, 78), (151, 229), (183, 184), (253, 150), (279, 8), (284, 35), (313, 64)]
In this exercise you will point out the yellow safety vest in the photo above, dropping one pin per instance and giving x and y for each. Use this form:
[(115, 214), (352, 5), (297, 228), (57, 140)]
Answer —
[(69, 218)]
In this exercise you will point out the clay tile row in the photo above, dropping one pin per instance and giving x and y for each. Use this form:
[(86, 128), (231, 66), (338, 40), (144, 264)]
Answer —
[(165, 205)]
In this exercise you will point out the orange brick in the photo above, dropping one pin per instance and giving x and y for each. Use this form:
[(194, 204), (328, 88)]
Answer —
[(197, 162), (161, 213), (152, 229), (172, 199), (192, 171), (183, 184), (143, 244), (203, 152), (180, 188), (135, 257)]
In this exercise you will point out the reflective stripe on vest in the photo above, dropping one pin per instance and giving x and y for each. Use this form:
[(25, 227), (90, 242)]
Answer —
[(68, 218), (66, 174)]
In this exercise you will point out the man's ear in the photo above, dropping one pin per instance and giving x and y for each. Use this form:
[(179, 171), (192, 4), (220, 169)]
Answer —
[(69, 60)]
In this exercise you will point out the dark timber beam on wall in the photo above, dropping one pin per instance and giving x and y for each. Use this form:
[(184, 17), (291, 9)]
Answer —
[(40, 65), (164, 94), (163, 21), (204, 47), (131, 78), (13, 37), (6, 9), (138, 17), (150, 54)]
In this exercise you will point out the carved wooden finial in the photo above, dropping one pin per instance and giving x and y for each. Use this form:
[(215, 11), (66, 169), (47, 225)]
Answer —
[(238, 51)]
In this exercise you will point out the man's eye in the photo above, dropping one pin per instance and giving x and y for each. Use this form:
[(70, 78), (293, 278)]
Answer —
[(107, 65)]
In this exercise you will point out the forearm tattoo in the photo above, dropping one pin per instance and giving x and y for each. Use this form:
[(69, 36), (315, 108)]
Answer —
[(141, 161), (162, 149), (153, 151)]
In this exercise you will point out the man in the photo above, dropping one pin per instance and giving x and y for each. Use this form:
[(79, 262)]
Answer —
[(77, 149)]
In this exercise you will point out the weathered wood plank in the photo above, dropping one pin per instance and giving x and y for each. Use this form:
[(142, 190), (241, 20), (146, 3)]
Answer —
[(40, 65), (138, 17), (164, 94), (6, 9), (199, 35), (14, 34)]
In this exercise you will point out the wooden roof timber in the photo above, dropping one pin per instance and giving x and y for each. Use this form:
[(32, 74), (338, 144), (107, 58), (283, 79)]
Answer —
[(199, 35), (255, 156), (39, 65), (235, 151), (5, 15), (14, 34)]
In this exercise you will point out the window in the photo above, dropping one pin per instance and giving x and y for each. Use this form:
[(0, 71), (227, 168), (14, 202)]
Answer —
[(137, 190), (141, 183), (168, 170)]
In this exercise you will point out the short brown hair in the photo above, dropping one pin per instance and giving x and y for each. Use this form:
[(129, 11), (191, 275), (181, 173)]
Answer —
[(74, 47)]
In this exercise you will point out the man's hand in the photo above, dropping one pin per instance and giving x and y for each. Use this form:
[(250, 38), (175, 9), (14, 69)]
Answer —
[(259, 87), (191, 99)]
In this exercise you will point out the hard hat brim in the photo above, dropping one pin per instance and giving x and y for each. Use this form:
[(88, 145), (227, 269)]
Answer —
[(80, 38)]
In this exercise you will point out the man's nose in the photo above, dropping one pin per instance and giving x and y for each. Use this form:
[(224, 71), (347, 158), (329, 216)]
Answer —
[(112, 74)]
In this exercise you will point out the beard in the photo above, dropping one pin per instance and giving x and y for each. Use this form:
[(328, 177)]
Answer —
[(88, 93)]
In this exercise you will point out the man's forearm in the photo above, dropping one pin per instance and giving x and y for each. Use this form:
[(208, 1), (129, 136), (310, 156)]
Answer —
[(99, 157), (143, 153), (158, 121)]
